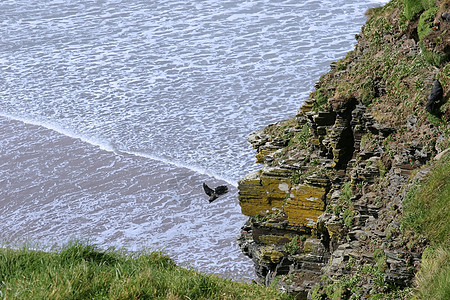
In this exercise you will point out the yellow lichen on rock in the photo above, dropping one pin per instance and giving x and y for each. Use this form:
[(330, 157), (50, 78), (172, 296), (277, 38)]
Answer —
[(305, 205), (263, 152), (270, 188), (262, 191), (270, 255), (269, 239), (313, 245)]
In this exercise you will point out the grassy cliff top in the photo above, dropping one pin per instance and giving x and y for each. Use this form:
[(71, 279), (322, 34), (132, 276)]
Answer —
[(82, 271)]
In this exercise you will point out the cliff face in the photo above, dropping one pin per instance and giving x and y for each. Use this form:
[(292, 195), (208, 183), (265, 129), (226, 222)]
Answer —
[(327, 204)]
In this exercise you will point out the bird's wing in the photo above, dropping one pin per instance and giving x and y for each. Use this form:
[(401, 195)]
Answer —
[(213, 197), (209, 191), (222, 189)]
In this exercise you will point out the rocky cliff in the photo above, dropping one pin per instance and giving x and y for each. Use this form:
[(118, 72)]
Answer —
[(325, 209)]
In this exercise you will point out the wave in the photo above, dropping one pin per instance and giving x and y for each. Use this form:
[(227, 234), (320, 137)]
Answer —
[(111, 147), (103, 145), (178, 164)]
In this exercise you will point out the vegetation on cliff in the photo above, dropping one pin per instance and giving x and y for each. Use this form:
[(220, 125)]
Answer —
[(392, 70), (81, 271), (426, 214), (346, 174)]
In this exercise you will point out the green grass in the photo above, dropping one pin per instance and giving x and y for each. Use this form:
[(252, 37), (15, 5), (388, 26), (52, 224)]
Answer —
[(414, 7), (301, 138), (321, 99), (426, 213), (82, 271), (294, 245), (433, 279), (426, 206), (426, 22)]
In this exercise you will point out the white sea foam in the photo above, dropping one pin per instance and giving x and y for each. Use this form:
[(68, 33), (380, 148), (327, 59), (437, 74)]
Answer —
[(107, 146), (103, 145), (182, 165)]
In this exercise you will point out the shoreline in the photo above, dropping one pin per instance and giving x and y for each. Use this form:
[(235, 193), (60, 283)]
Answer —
[(55, 188)]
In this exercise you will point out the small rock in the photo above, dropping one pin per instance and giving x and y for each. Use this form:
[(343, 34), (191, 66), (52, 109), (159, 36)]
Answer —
[(435, 96), (411, 122), (439, 156)]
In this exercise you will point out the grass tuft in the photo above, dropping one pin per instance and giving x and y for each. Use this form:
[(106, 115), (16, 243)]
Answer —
[(426, 206), (433, 279), (414, 7), (83, 271), (426, 22), (425, 211)]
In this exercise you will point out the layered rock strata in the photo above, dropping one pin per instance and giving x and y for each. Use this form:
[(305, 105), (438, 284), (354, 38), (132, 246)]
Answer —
[(305, 200)]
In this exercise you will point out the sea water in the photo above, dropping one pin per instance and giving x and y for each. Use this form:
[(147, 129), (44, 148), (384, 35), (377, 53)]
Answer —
[(113, 113)]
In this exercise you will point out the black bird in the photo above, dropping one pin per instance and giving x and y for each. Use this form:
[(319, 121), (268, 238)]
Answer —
[(215, 193), (435, 97)]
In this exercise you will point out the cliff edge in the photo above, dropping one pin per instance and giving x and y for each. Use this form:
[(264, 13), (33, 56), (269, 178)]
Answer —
[(325, 211)]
